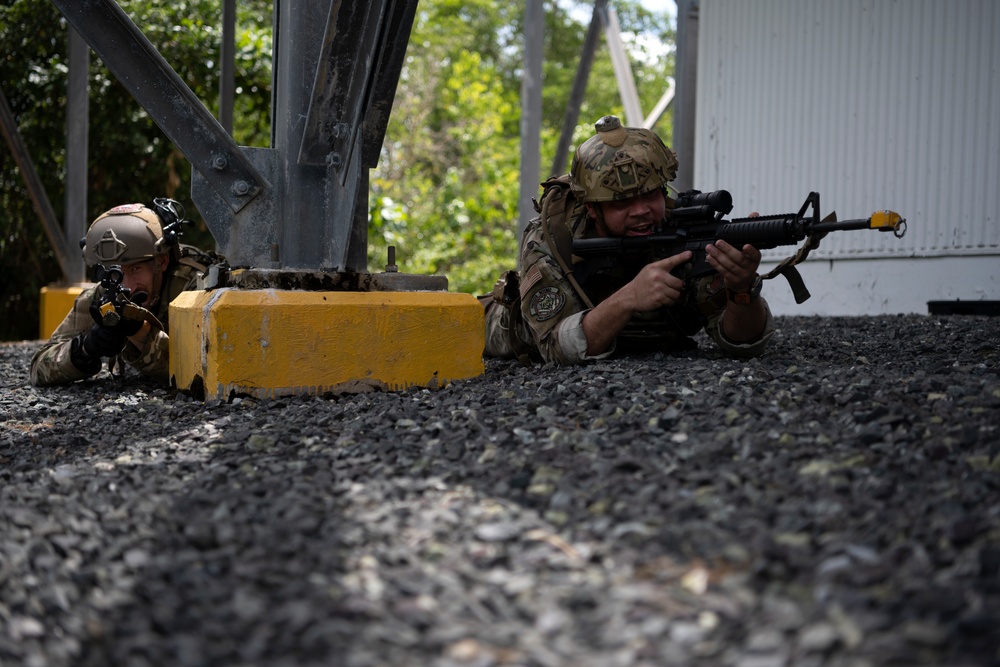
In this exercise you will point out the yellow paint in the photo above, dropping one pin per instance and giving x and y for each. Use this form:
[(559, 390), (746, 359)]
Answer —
[(275, 342), (55, 302)]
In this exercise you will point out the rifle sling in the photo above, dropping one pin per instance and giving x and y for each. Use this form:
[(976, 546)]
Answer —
[(787, 268), (560, 246), (137, 313)]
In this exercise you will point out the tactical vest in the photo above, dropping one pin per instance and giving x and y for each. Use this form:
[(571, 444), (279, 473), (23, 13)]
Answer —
[(188, 263)]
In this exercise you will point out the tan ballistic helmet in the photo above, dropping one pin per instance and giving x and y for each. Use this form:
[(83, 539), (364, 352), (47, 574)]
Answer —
[(621, 162), (125, 234)]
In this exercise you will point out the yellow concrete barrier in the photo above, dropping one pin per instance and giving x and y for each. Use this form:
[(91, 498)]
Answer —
[(269, 342), (55, 302)]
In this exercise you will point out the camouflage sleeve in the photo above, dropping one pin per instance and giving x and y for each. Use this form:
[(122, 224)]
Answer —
[(550, 306), (752, 348), (573, 341), (153, 359), (52, 364)]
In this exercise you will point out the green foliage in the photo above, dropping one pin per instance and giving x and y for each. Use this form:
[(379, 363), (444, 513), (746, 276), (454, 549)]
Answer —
[(445, 192)]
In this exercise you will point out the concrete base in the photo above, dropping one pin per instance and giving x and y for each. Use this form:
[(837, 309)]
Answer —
[(55, 302), (267, 343)]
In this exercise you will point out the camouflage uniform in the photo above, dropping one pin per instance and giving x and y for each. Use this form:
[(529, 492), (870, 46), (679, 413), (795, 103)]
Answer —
[(548, 325), (539, 313)]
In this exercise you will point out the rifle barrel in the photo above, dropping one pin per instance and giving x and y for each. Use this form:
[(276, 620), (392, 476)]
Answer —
[(843, 225)]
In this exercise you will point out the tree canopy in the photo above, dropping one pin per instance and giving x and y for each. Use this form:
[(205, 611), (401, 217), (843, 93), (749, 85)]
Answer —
[(445, 191)]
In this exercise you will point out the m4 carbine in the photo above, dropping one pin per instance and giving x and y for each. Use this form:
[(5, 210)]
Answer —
[(698, 220), (114, 302)]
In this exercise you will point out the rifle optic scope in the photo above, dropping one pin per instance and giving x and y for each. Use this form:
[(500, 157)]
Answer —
[(720, 201)]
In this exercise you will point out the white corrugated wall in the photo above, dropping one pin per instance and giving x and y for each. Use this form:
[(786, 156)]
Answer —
[(874, 104)]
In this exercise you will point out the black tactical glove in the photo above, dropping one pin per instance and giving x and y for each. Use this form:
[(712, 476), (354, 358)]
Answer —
[(87, 349), (103, 341)]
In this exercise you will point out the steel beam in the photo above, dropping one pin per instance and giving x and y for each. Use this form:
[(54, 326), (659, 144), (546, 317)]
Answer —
[(623, 70), (395, 36), (75, 217), (335, 72), (342, 76), (36, 191), (579, 89), (308, 196), (666, 100), (169, 102), (363, 51), (687, 91), (531, 110)]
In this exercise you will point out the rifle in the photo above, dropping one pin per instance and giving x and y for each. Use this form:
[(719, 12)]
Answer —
[(699, 220), (114, 303)]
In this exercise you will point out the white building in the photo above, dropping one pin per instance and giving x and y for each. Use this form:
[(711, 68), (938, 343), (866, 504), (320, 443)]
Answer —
[(875, 104)]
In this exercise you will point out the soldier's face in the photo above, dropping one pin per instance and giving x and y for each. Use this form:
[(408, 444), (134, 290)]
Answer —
[(636, 216), (140, 276)]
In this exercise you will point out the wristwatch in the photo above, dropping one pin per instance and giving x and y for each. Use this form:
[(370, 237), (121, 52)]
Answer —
[(749, 296)]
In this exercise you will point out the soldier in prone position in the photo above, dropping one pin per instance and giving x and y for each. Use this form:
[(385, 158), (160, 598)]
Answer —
[(617, 187), (140, 246)]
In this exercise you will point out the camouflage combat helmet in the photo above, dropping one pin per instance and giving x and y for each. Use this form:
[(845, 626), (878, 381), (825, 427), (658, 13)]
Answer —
[(127, 233), (620, 162)]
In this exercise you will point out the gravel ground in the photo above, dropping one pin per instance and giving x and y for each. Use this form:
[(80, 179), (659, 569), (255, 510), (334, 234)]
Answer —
[(835, 502)]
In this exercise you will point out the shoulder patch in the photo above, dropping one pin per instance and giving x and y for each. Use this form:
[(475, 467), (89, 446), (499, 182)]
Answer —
[(126, 209), (546, 303)]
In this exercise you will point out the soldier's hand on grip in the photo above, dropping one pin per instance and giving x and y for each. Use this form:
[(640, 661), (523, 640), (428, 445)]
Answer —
[(102, 341), (87, 349), (737, 266), (108, 315), (657, 286)]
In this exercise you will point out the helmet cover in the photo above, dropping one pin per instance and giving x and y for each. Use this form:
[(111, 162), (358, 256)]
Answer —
[(620, 163)]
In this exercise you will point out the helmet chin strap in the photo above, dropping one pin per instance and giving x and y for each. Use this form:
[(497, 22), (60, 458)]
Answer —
[(154, 298), (668, 205), (597, 215)]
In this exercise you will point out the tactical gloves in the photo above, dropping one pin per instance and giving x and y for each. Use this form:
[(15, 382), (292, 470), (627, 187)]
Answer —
[(88, 348)]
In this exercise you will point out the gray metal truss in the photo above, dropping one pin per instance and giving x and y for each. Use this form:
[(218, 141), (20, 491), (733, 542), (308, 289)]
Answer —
[(301, 204)]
